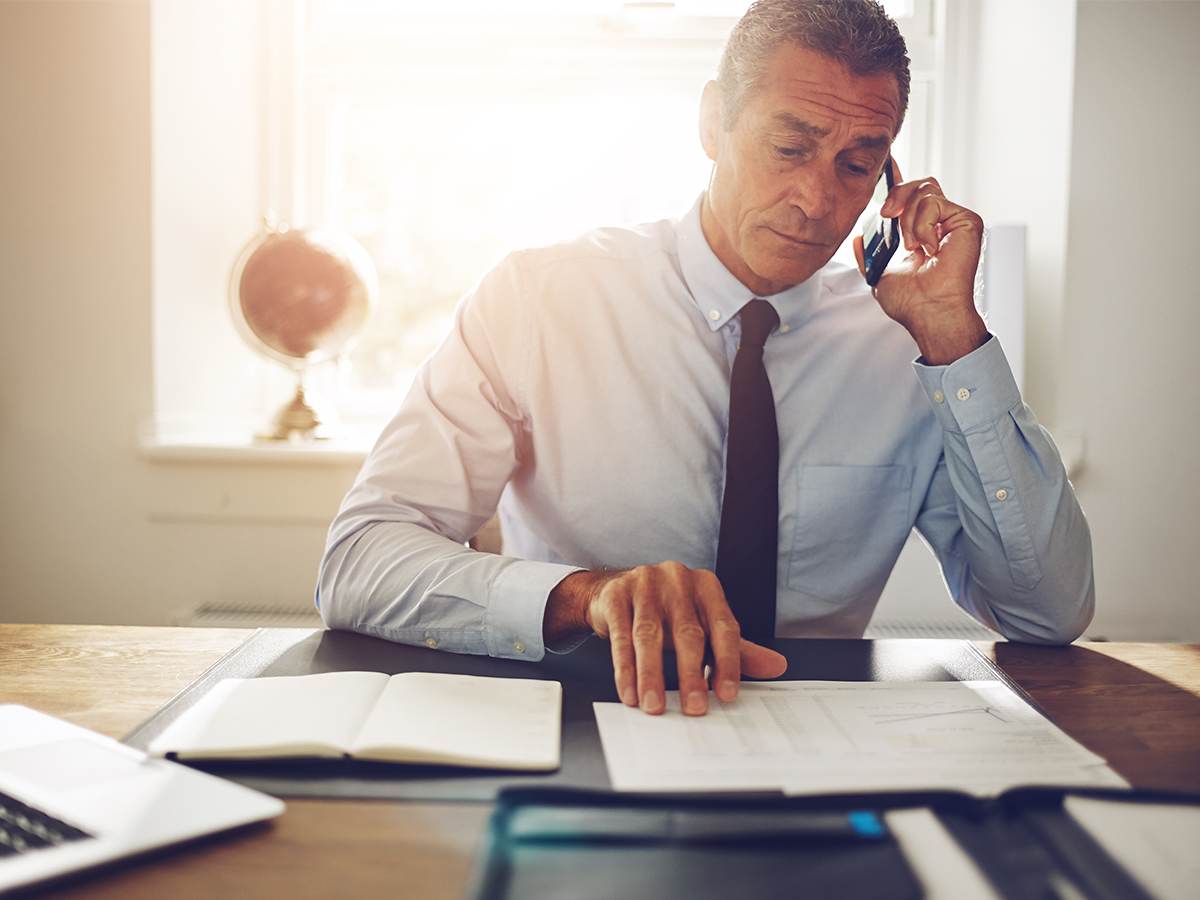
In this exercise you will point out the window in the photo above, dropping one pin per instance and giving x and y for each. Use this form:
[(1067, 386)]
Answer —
[(439, 141)]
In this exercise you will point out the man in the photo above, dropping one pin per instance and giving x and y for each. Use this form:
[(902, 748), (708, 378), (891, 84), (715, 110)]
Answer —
[(586, 389)]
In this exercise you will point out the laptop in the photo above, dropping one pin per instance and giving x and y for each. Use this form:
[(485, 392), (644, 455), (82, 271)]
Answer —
[(71, 799)]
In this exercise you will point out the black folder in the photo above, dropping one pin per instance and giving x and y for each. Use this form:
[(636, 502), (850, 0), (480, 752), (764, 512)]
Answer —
[(589, 846), (546, 844)]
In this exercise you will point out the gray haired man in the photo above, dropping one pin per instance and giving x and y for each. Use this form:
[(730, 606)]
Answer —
[(586, 392)]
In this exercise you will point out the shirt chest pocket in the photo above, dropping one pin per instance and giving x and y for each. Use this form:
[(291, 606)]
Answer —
[(850, 524)]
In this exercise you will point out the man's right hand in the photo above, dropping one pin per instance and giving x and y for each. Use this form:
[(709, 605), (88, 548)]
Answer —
[(645, 610)]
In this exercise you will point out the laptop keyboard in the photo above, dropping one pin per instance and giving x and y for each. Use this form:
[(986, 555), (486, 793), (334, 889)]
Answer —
[(23, 828)]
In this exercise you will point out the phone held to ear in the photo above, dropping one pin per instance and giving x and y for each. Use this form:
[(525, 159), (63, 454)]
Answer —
[(881, 237)]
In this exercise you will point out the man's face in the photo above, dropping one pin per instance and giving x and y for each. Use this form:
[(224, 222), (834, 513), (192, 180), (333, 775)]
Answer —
[(795, 172)]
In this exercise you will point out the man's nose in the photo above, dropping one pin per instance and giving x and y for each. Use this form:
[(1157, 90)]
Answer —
[(813, 189)]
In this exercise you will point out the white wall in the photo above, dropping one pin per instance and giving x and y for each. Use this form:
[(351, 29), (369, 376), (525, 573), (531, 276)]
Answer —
[(1018, 141), (1129, 371), (74, 307), (90, 531)]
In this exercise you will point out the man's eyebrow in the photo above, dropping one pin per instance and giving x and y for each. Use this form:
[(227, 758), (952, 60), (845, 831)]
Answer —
[(878, 142), (792, 123), (808, 129)]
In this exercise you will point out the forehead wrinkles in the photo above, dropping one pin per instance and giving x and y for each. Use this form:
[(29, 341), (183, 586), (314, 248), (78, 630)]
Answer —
[(812, 81), (861, 107)]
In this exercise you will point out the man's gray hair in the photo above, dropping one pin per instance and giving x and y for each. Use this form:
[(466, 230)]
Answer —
[(856, 33)]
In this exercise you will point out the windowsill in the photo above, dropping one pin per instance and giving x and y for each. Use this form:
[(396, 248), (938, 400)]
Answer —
[(241, 447)]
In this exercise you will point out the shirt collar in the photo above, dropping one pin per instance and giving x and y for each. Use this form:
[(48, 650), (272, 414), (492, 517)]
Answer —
[(717, 292)]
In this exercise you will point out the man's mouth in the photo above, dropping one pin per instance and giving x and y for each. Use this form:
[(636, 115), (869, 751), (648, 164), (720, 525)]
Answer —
[(799, 241)]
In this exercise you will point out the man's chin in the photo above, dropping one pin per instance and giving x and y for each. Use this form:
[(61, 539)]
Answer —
[(790, 270)]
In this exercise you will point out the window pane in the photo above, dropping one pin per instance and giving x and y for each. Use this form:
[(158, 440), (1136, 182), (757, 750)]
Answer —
[(439, 192)]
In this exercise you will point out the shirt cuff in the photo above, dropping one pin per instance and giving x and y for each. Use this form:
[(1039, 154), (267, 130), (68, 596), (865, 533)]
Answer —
[(517, 605), (971, 392)]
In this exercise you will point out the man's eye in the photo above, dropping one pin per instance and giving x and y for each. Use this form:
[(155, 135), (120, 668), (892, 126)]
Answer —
[(790, 152)]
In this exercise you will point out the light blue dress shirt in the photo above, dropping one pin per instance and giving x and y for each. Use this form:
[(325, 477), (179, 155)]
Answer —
[(585, 389)]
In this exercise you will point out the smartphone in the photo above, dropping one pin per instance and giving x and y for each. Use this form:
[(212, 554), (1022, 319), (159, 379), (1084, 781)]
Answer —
[(881, 236)]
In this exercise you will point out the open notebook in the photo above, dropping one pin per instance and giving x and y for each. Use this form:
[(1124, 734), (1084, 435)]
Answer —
[(414, 717), (71, 799)]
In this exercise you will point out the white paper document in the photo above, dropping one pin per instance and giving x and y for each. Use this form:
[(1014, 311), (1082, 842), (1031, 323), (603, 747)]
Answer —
[(808, 737), (1155, 842)]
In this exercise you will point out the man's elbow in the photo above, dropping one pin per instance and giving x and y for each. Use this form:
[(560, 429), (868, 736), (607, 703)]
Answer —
[(332, 587), (1054, 621)]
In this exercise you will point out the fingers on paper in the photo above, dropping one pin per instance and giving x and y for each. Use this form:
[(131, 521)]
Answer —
[(625, 610), (725, 639), (652, 608), (648, 644), (618, 620)]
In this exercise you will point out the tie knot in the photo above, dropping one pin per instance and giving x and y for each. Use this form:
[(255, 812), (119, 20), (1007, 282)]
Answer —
[(758, 318)]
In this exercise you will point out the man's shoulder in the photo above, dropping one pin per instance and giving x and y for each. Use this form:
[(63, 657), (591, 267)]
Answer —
[(599, 267), (612, 244)]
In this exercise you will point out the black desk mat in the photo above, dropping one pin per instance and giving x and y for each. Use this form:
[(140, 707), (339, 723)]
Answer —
[(586, 676)]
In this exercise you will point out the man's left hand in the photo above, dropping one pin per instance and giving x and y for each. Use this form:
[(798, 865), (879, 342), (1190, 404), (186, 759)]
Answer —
[(931, 290)]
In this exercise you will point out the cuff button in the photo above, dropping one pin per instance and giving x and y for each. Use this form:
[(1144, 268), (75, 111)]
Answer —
[(518, 646)]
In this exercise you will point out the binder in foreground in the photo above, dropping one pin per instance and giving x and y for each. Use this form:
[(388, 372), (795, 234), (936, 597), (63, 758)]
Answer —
[(546, 843)]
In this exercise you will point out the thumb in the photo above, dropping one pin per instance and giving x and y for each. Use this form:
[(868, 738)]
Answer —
[(761, 662)]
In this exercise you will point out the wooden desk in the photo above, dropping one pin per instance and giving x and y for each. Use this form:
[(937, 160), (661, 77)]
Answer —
[(1138, 705)]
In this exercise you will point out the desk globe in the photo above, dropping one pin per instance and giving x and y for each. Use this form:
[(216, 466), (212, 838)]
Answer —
[(299, 298)]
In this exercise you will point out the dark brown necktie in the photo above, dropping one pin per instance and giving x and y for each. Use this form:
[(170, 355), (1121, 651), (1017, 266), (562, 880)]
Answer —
[(749, 544)]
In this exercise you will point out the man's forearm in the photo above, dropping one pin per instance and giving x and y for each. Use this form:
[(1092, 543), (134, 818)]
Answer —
[(403, 582)]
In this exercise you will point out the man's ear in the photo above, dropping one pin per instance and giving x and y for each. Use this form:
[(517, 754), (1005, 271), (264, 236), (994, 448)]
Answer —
[(711, 125)]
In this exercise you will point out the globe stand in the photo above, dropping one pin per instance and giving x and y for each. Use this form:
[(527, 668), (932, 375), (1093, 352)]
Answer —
[(307, 416), (299, 298)]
